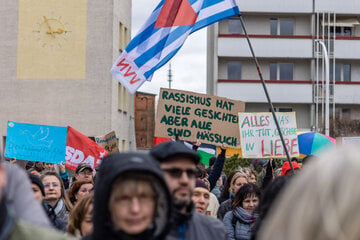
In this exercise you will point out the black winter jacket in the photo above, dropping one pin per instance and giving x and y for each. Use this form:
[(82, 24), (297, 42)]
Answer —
[(112, 167)]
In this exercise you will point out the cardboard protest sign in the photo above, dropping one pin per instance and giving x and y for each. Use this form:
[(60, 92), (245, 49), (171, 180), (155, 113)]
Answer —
[(81, 149), (108, 142), (192, 116), (260, 137), (348, 140), (32, 142)]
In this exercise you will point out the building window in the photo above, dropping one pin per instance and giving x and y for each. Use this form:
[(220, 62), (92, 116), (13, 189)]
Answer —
[(282, 109), (234, 26), (342, 72), (123, 37), (234, 70), (345, 113), (123, 145), (285, 109), (122, 98), (282, 26), (341, 31), (347, 72), (286, 26), (273, 26), (286, 71), (281, 71), (273, 71)]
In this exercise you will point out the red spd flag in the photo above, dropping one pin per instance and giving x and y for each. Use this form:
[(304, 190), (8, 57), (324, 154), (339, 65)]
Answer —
[(81, 149)]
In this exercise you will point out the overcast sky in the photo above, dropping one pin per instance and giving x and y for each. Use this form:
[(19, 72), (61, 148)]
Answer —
[(188, 65)]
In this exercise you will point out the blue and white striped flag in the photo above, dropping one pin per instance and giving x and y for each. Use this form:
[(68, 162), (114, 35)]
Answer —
[(163, 35)]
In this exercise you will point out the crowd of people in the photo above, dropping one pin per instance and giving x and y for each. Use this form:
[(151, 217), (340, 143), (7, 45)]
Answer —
[(168, 193)]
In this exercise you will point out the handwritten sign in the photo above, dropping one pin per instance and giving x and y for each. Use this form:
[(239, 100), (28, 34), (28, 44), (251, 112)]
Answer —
[(40, 143), (260, 137), (109, 142), (348, 140), (191, 116)]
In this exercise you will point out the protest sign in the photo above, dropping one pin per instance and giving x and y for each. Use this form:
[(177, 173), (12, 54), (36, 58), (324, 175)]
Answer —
[(81, 149), (32, 142), (260, 137), (348, 140), (108, 142), (193, 116)]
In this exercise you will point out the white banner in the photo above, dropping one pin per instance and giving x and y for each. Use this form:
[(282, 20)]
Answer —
[(260, 137)]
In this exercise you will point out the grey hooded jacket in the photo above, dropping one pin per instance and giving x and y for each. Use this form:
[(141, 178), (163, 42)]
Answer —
[(114, 166), (238, 224), (20, 198)]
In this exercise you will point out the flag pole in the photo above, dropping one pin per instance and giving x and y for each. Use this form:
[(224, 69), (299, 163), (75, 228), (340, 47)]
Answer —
[(266, 93)]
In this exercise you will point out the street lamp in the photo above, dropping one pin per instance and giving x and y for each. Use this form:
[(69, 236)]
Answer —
[(327, 88)]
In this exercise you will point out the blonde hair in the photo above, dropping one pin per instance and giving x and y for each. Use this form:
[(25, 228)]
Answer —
[(235, 177), (320, 202)]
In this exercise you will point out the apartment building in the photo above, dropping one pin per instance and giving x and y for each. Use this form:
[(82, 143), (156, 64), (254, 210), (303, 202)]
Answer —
[(55, 66), (287, 38)]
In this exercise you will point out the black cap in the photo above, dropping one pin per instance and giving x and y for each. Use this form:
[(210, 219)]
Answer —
[(169, 150), (37, 181), (82, 167)]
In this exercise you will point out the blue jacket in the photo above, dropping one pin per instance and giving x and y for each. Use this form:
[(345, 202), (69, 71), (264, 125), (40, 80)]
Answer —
[(238, 224)]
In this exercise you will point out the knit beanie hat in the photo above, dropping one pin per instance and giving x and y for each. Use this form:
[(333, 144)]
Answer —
[(286, 167), (37, 181), (200, 183)]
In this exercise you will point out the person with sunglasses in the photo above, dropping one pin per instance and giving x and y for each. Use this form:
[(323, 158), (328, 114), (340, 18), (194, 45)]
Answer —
[(178, 163)]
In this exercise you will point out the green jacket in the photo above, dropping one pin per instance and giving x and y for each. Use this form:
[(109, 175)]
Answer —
[(25, 231)]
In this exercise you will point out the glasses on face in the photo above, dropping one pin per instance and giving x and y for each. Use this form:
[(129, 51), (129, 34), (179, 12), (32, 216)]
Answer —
[(142, 199), (85, 173), (54, 184), (178, 172)]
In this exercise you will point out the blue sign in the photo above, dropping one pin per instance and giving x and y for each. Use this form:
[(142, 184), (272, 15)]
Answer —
[(40, 143)]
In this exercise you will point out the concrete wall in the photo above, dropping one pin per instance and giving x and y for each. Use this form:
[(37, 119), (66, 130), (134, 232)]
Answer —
[(89, 104)]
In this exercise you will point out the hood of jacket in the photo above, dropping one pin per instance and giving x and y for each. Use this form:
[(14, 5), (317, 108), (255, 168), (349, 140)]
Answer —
[(112, 167)]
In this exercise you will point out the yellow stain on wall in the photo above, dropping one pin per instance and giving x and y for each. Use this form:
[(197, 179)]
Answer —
[(52, 39)]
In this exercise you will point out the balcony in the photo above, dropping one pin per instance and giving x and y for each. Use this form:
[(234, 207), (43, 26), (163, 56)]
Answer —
[(279, 91), (304, 6), (267, 46), (340, 7), (299, 92), (347, 48)]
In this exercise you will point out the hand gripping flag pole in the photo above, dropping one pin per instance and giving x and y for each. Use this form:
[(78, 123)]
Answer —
[(266, 93), (162, 36)]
